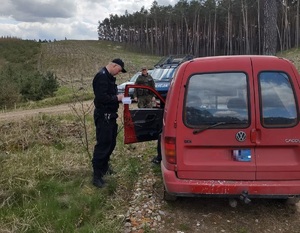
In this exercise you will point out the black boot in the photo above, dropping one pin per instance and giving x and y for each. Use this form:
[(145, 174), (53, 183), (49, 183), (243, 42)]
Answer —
[(98, 182), (156, 160)]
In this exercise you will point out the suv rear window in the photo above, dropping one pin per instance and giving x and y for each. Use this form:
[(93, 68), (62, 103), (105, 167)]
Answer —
[(163, 74), (217, 99)]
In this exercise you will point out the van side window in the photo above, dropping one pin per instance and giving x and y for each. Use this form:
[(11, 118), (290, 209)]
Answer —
[(217, 98), (278, 105)]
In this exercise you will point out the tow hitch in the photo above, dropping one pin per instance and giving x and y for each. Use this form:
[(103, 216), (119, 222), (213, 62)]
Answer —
[(244, 197)]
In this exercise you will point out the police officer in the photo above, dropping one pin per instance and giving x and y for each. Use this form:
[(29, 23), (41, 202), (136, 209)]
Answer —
[(106, 103), (144, 97)]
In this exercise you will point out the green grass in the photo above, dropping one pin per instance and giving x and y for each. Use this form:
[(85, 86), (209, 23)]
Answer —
[(47, 188), (293, 55), (60, 205), (64, 95), (17, 51)]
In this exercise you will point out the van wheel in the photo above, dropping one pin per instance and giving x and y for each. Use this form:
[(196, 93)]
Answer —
[(168, 196)]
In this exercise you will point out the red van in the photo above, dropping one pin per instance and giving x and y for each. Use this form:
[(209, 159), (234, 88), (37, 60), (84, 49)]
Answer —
[(230, 128)]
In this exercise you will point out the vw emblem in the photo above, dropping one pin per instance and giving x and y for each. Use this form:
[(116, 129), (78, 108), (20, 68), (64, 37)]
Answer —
[(240, 136)]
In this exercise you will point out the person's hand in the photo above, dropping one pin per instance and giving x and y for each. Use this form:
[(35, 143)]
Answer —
[(120, 97), (135, 99), (153, 102)]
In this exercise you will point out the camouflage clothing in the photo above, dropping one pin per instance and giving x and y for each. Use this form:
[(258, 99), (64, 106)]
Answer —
[(145, 101), (144, 95)]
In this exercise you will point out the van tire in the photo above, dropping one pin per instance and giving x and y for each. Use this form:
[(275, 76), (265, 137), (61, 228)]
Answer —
[(168, 196)]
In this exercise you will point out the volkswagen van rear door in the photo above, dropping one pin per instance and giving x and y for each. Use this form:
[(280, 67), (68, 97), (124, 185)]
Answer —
[(214, 132), (277, 131)]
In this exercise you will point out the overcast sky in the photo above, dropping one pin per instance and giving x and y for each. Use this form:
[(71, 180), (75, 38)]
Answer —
[(60, 19)]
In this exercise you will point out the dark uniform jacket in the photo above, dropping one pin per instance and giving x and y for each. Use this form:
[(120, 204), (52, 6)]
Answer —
[(105, 91)]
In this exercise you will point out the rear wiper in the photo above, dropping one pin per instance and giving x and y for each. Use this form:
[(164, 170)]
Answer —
[(196, 131)]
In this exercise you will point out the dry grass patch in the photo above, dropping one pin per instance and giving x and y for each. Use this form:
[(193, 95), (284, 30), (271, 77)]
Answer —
[(46, 178), (77, 62)]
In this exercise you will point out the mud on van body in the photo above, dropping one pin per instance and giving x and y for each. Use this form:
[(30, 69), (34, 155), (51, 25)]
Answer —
[(230, 128)]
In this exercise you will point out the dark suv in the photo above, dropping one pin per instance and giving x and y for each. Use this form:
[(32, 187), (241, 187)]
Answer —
[(164, 70)]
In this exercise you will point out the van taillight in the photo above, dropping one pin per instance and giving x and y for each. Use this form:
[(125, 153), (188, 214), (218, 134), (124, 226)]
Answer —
[(170, 149)]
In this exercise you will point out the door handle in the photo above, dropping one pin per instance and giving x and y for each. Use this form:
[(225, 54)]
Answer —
[(149, 119), (255, 136)]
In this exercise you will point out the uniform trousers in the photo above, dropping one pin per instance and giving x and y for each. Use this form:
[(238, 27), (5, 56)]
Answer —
[(106, 137)]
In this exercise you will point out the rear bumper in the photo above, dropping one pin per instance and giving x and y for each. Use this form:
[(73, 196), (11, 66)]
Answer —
[(223, 188)]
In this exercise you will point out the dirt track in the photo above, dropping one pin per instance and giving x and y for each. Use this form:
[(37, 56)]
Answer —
[(59, 109)]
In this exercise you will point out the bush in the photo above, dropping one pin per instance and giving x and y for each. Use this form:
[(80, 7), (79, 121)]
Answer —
[(38, 86), (19, 78), (9, 94), (9, 90), (49, 84), (17, 83)]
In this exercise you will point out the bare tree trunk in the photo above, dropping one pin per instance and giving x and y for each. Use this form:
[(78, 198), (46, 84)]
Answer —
[(297, 25), (270, 24), (259, 27), (182, 37), (229, 30), (187, 35), (152, 40), (208, 47), (215, 31), (178, 32), (156, 37), (193, 34), (279, 37), (245, 22), (147, 33), (286, 26), (170, 37), (203, 37), (197, 35)]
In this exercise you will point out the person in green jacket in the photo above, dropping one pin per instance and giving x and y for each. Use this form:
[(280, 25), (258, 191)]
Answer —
[(144, 97)]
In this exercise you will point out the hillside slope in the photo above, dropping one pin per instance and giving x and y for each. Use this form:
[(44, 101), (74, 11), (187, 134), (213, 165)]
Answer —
[(78, 61)]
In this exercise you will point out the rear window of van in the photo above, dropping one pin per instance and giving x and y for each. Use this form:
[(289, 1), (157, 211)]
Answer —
[(221, 100), (278, 104), (217, 98)]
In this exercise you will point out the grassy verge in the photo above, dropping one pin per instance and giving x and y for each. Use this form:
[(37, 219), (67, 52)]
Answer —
[(64, 95), (46, 178)]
